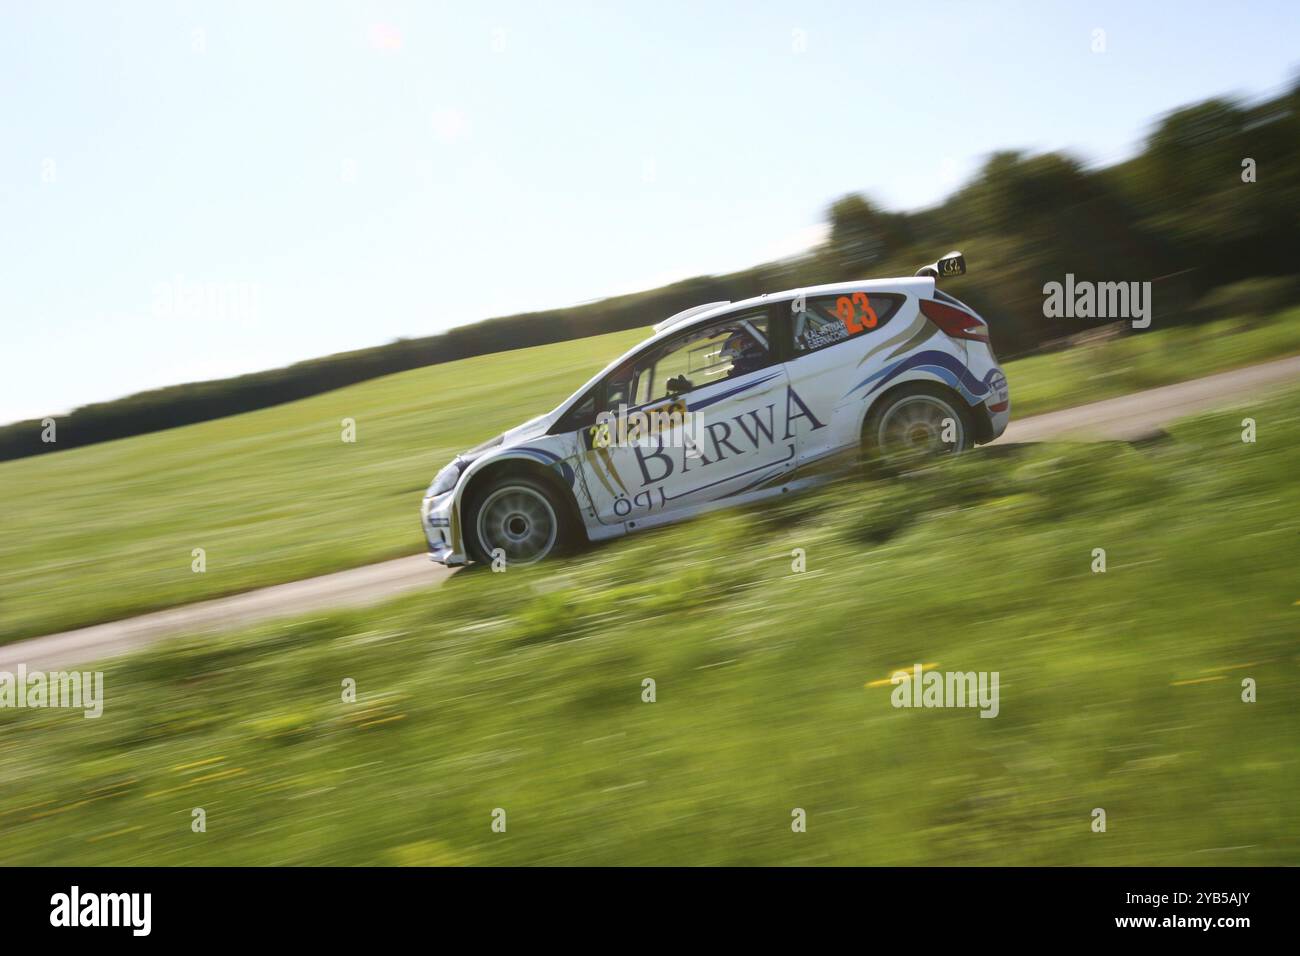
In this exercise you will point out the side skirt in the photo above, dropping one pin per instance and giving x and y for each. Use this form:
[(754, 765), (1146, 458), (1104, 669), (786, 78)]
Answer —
[(760, 494)]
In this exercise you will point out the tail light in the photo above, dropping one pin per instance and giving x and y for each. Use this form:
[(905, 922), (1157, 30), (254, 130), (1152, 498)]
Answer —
[(958, 323)]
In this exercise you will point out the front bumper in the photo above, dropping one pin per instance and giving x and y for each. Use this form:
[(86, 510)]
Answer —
[(438, 520)]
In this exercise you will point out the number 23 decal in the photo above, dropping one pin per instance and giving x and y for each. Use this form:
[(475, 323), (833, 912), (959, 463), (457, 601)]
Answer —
[(855, 321)]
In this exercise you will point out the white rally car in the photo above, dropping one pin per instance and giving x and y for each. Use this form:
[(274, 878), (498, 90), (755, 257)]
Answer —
[(729, 403)]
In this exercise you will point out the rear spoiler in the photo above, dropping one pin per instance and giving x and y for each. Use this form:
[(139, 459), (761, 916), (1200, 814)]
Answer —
[(946, 266)]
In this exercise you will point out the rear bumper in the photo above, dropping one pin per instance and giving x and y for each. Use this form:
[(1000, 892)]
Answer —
[(996, 406), (999, 416)]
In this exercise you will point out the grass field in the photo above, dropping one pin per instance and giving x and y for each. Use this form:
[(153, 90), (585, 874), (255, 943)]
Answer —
[(103, 532), (523, 691)]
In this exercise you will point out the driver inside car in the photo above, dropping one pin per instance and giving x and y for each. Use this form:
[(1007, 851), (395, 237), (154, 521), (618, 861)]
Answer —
[(744, 352)]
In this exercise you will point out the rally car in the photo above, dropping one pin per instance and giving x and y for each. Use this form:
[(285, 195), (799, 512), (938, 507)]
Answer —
[(728, 403)]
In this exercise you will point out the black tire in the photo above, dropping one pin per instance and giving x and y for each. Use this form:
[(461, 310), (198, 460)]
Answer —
[(522, 516), (906, 427)]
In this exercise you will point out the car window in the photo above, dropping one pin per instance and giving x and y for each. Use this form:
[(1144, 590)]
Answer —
[(829, 319), (718, 351)]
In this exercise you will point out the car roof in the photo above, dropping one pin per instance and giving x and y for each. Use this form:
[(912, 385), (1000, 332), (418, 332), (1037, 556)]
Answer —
[(915, 285)]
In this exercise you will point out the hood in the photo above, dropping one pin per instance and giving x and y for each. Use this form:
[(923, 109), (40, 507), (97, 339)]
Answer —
[(528, 430), (477, 450), (525, 432)]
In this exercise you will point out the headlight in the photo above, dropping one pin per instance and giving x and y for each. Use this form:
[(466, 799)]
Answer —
[(444, 481)]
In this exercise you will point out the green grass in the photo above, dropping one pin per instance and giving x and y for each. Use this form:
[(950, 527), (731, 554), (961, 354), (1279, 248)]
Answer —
[(523, 690), (104, 532)]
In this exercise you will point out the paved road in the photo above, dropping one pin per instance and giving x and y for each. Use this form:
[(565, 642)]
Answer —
[(1127, 417), (1141, 413)]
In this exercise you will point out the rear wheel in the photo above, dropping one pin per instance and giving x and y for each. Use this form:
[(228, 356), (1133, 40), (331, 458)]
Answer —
[(914, 424), (516, 518)]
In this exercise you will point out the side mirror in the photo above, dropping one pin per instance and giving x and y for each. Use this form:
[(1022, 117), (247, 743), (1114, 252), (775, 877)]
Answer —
[(679, 385)]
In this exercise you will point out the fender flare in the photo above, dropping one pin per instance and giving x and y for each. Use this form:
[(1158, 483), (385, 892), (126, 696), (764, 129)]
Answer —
[(557, 473), (920, 376)]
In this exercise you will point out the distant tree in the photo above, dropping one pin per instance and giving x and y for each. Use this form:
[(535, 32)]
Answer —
[(862, 235)]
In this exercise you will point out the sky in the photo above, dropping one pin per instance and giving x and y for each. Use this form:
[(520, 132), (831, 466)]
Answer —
[(191, 190)]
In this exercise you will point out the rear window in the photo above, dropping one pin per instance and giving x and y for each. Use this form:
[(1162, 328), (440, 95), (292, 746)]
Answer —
[(830, 319)]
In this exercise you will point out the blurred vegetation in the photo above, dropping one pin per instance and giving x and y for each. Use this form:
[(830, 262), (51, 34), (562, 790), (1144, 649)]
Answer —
[(1178, 214), (523, 690), (1251, 298), (106, 532)]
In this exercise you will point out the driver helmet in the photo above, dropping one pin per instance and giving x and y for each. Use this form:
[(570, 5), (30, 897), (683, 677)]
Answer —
[(740, 347)]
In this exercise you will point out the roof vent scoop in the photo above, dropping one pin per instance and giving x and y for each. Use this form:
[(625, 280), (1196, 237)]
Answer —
[(951, 264), (687, 313)]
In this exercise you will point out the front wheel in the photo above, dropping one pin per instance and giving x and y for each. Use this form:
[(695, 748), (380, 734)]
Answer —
[(914, 424), (515, 519)]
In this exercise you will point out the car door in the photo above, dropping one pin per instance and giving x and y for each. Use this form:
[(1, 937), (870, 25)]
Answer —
[(694, 419), (834, 342)]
